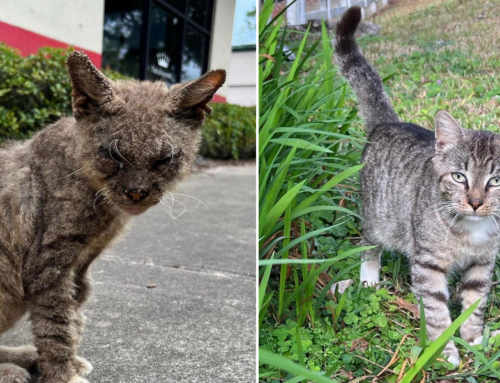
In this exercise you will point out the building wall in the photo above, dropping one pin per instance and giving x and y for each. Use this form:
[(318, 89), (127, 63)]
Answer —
[(31, 24), (222, 32), (242, 78)]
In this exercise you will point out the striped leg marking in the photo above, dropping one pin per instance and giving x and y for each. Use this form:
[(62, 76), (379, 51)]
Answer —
[(476, 282), (429, 281)]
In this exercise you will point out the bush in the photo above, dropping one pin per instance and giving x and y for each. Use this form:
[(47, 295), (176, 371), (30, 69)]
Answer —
[(34, 91), (229, 132)]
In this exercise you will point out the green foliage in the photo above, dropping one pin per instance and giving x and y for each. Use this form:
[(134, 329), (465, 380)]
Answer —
[(362, 334), (229, 132), (308, 158), (34, 90)]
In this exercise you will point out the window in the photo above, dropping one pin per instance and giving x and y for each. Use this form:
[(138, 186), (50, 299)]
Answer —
[(164, 40), (245, 24)]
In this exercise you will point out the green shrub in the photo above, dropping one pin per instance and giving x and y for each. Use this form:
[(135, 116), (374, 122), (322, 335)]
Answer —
[(229, 132), (34, 91)]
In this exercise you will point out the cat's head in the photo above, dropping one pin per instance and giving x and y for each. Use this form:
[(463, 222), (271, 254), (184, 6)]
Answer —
[(137, 139), (468, 168)]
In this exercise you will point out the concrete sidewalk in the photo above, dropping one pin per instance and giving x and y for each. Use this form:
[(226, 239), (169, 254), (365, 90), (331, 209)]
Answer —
[(198, 324)]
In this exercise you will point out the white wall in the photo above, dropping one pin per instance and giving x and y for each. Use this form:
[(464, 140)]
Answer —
[(222, 33), (75, 22), (242, 78)]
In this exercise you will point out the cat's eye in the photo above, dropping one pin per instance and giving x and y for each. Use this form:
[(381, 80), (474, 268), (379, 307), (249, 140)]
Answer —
[(494, 181), (163, 161), (459, 177)]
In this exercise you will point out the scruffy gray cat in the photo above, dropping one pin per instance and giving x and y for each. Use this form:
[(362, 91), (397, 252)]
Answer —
[(68, 192), (434, 197)]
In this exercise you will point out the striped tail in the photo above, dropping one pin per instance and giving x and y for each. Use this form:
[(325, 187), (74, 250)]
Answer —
[(373, 102)]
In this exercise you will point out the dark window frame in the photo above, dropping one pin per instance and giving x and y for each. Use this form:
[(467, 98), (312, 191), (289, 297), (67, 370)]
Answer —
[(186, 21)]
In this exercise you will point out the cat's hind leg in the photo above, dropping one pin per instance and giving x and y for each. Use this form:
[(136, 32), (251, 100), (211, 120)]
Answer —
[(370, 268), (10, 373)]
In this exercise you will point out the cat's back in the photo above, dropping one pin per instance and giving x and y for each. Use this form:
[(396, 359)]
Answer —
[(398, 162)]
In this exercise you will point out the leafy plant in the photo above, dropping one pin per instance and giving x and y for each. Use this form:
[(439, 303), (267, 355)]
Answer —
[(307, 157), (34, 91), (229, 132)]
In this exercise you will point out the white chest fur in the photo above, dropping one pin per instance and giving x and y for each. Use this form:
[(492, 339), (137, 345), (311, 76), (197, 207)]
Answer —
[(478, 230)]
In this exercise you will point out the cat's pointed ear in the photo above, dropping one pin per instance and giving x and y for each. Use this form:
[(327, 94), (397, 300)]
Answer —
[(191, 99), (448, 131), (91, 90)]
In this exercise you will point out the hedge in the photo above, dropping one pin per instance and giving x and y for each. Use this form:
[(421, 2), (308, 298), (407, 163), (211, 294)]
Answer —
[(230, 132), (35, 91)]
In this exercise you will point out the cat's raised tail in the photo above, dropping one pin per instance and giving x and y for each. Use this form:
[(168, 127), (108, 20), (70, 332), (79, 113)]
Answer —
[(373, 103)]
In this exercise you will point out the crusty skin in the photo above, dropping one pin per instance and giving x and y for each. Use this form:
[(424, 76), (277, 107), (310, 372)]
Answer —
[(68, 192)]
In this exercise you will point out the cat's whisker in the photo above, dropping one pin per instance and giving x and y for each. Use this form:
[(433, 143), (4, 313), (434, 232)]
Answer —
[(172, 151), (495, 222), (447, 204), (99, 191), (181, 213), (121, 155), (196, 199), (171, 211), (95, 208), (104, 201), (194, 170), (76, 171), (457, 215), (168, 212)]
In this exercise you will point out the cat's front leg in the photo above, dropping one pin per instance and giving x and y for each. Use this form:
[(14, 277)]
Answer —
[(53, 315), (476, 282), (82, 292), (429, 281)]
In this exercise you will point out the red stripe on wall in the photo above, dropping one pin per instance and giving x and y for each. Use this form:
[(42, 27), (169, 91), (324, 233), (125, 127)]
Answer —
[(29, 42), (219, 98)]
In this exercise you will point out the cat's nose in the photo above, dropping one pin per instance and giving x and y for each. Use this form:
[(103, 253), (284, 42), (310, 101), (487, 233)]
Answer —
[(136, 195), (476, 203)]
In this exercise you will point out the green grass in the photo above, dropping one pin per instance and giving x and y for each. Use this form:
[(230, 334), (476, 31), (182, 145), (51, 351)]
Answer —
[(443, 57)]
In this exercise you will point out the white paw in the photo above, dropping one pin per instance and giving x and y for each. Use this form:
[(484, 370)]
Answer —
[(10, 373), (477, 341), (369, 274), (78, 379), (82, 366), (494, 333), (455, 360)]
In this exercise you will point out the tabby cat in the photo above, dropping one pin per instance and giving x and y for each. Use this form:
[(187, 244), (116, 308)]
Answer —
[(433, 196), (69, 191)]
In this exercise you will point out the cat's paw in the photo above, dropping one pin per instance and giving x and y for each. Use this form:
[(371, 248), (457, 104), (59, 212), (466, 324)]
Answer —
[(455, 360), (10, 373), (82, 366), (78, 379), (369, 276), (476, 341), (494, 333), (479, 339), (450, 353)]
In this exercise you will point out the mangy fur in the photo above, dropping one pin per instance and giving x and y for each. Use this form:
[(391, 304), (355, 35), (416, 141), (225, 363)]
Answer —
[(412, 204), (69, 191)]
